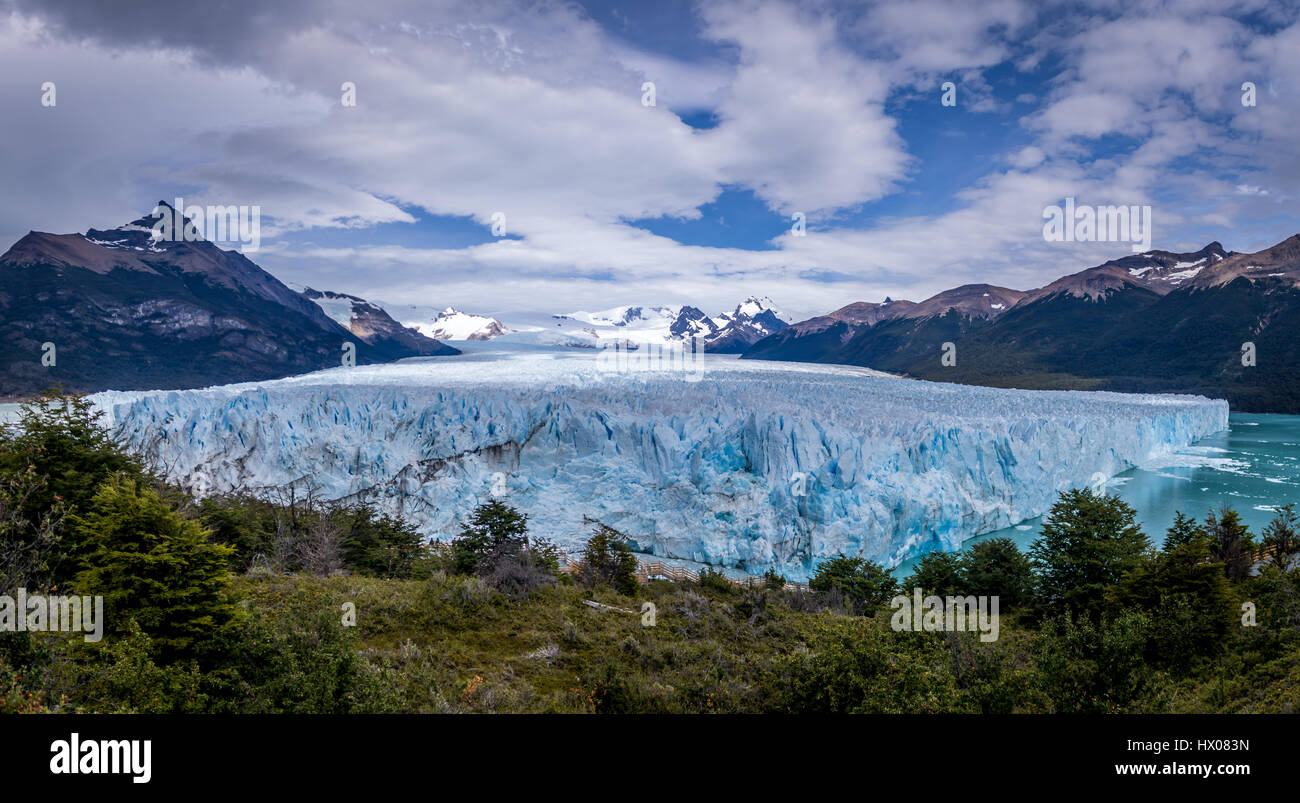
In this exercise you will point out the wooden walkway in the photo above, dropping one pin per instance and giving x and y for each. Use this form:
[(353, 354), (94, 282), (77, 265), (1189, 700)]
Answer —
[(658, 570)]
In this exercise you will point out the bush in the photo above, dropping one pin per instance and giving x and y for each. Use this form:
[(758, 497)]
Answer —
[(858, 669), (30, 549), (716, 581), (517, 569), (1094, 666)]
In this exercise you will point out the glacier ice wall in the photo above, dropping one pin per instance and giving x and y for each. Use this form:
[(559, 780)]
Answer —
[(755, 465)]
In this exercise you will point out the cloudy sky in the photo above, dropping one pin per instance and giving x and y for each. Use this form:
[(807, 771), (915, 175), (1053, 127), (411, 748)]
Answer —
[(763, 110)]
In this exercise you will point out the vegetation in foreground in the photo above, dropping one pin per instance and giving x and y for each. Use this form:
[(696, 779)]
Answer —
[(242, 604)]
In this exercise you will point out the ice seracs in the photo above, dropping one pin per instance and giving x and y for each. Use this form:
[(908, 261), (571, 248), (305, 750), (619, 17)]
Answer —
[(759, 465)]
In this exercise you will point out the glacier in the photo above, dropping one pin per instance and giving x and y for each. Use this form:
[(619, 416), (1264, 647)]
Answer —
[(739, 464)]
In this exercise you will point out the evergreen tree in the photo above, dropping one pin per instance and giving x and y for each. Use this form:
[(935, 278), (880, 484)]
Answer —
[(865, 583), (939, 574), (1185, 593), (997, 568), (1280, 533), (376, 544), (1184, 531), (1089, 542), (153, 566), (608, 560), (61, 440), (493, 526), (1230, 542)]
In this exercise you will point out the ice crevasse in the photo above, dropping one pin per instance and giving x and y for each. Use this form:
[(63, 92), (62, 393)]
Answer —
[(755, 465)]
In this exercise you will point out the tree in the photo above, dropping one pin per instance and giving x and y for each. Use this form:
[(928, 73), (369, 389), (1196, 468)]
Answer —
[(997, 568), (866, 583), (774, 580), (938, 574), (492, 526), (608, 560), (1280, 533), (61, 440), (29, 549), (1183, 532), (320, 549), (1230, 542), (376, 544), (153, 566), (1186, 595), (1089, 542)]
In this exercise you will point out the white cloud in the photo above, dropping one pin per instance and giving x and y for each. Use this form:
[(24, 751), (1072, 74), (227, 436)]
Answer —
[(533, 110)]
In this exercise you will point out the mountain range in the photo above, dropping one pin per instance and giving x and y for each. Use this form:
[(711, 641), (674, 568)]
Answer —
[(121, 309), (1209, 322), (726, 333)]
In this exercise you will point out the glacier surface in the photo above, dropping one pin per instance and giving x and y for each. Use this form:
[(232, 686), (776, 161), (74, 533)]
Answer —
[(755, 465)]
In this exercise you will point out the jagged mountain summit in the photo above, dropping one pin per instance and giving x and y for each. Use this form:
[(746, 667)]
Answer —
[(751, 321), (727, 332), (119, 308)]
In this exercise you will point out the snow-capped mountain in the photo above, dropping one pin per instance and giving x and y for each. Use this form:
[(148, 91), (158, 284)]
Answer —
[(371, 323), (452, 324), (762, 465), (751, 321), (636, 317), (692, 322), (728, 332), (1161, 272)]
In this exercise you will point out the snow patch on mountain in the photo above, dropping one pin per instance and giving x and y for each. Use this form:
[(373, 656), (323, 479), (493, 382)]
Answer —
[(452, 324)]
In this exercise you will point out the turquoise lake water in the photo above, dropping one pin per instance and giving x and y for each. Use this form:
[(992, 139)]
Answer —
[(1251, 467)]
